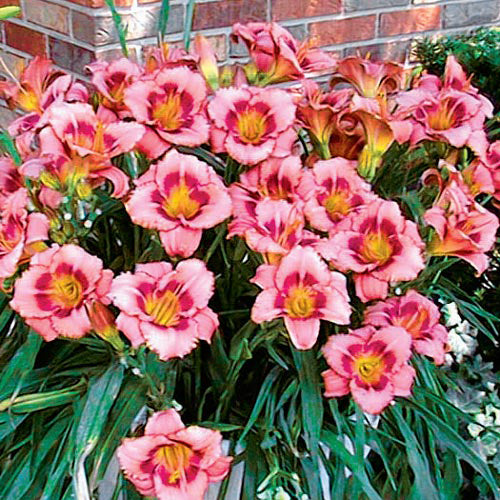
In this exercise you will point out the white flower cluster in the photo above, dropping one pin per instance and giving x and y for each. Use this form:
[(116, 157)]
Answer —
[(462, 336)]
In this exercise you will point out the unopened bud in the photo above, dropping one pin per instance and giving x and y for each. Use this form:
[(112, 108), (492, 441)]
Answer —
[(83, 190), (208, 61), (103, 323)]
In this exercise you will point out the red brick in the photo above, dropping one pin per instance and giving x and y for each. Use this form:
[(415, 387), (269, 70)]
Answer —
[(25, 39), (228, 12), (89, 3), (343, 30), (295, 9), (410, 21), (4, 3)]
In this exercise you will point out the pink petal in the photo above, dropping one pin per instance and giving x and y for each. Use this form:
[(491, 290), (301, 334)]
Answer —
[(335, 385), (370, 288), (74, 326), (264, 308), (303, 332), (170, 343), (164, 422), (370, 400), (119, 180), (207, 322), (181, 241), (403, 380), (397, 342), (196, 281), (131, 328)]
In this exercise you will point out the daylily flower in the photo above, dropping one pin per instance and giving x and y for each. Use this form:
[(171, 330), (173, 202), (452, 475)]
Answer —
[(277, 55), (39, 87), (370, 78), (380, 246), (166, 308), (252, 124), (82, 143), (21, 234), (370, 364), (52, 294), (451, 111), (318, 113), (302, 290), (111, 79), (275, 178), (419, 316), (172, 104), (278, 227), (172, 461), (179, 196), (464, 228), (333, 191)]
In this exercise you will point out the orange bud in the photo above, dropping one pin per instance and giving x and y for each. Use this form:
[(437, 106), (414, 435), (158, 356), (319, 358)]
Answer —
[(103, 323)]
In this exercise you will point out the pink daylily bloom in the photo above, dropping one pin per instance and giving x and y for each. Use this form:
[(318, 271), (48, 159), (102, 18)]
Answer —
[(84, 142), (419, 316), (111, 79), (166, 308), (451, 111), (172, 461), (333, 191), (370, 364), (278, 226), (51, 296), (172, 103), (21, 234), (275, 178), (302, 290), (252, 124), (180, 197), (277, 55), (463, 227), (380, 246), (370, 78)]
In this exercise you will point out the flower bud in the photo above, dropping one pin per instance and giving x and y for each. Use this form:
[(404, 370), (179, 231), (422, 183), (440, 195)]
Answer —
[(208, 61), (103, 323)]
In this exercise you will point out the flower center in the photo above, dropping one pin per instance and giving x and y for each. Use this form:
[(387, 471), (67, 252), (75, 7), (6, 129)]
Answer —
[(28, 100), (251, 126), (300, 302), (442, 118), (376, 248), (179, 202), (337, 205), (369, 368), (163, 309), (67, 291), (169, 112), (175, 458)]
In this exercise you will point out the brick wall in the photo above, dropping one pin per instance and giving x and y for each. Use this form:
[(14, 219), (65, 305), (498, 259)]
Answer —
[(74, 32)]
